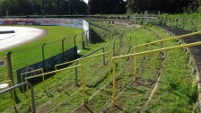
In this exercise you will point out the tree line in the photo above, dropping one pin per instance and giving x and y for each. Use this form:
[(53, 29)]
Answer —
[(166, 6), (79, 7), (42, 7)]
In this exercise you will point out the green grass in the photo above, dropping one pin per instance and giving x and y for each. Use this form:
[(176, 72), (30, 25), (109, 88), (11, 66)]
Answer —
[(134, 97)]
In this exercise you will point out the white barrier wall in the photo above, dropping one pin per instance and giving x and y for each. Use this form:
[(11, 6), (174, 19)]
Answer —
[(75, 23), (86, 28)]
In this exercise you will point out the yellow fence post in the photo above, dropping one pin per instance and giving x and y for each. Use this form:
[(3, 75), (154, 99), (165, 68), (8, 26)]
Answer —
[(109, 67), (23, 74)]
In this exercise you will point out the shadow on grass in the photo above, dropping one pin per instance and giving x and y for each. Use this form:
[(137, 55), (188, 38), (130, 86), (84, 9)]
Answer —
[(98, 82), (88, 109), (113, 109)]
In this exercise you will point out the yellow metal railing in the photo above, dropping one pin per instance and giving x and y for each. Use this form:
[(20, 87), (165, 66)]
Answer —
[(59, 70), (5, 60), (56, 71), (142, 53), (9, 81), (12, 92), (163, 40), (25, 73), (84, 58), (168, 39)]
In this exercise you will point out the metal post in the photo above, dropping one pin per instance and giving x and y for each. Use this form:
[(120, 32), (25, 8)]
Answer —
[(83, 87), (101, 48), (43, 51), (9, 66), (121, 38), (63, 49), (10, 75), (114, 82), (113, 46), (87, 40), (103, 56), (19, 85), (135, 63), (43, 55), (83, 43), (75, 40), (76, 79)]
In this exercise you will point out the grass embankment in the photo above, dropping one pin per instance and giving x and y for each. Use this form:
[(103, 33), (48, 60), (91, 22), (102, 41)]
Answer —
[(130, 97), (189, 22)]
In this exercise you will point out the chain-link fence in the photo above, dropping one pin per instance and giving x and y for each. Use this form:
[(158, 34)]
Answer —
[(25, 57)]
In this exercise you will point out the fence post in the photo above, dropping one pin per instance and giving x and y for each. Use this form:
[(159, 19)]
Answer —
[(75, 40), (63, 49), (83, 42), (113, 46), (76, 79), (87, 40), (10, 74), (43, 54), (103, 56), (121, 38), (9, 66)]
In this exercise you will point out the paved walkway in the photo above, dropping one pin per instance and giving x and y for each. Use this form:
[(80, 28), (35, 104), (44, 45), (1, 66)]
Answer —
[(195, 51)]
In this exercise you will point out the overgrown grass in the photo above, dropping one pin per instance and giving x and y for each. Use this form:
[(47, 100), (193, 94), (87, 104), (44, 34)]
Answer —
[(190, 22), (99, 90)]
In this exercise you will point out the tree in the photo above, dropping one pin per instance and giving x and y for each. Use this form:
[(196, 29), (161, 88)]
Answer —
[(168, 6), (42, 7), (106, 6), (24, 7), (194, 6)]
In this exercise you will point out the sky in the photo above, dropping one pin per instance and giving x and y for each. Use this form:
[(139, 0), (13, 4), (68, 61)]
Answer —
[(87, 1)]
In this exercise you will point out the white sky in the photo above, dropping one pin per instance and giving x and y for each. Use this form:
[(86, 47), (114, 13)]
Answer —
[(87, 1)]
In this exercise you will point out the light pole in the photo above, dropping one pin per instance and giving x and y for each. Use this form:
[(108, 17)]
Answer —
[(69, 8)]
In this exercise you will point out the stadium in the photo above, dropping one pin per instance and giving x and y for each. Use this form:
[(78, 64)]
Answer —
[(146, 62)]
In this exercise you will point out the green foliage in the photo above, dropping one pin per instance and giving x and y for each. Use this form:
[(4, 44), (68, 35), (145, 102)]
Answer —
[(106, 7), (168, 6), (42, 7), (190, 22), (176, 91)]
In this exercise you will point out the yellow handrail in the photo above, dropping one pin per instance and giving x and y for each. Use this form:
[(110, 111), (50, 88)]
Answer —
[(141, 53), (79, 59), (168, 39), (52, 72), (9, 79), (84, 58), (23, 74)]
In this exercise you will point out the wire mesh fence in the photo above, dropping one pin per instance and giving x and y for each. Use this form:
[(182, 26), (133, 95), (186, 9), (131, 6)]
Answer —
[(25, 57)]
